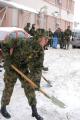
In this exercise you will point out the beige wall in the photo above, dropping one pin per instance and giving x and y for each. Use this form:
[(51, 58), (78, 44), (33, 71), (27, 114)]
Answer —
[(50, 1), (7, 21), (48, 21), (24, 17)]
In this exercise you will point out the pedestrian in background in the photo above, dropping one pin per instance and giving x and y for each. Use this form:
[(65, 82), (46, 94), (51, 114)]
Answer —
[(50, 34), (67, 35), (33, 30), (27, 28), (61, 38)]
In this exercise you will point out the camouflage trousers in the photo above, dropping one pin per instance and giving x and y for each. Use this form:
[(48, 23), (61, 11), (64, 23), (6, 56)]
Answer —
[(66, 42), (10, 79)]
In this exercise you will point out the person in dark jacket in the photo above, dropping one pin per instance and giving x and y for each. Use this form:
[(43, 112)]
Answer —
[(32, 30), (61, 38), (67, 35), (27, 28), (50, 34)]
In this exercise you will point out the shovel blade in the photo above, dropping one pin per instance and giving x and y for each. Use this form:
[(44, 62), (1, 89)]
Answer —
[(58, 102)]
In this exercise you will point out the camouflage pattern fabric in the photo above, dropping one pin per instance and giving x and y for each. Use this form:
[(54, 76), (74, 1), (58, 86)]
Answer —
[(50, 34), (27, 28), (39, 33), (67, 34), (26, 56), (61, 39), (35, 60)]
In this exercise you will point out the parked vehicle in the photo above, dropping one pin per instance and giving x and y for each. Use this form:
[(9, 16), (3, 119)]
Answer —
[(12, 32), (76, 39)]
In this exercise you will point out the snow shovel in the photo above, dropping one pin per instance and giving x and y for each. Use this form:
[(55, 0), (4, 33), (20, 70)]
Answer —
[(33, 85), (49, 83)]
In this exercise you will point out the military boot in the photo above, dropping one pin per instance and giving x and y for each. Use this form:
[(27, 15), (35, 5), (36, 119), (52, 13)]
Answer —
[(4, 112), (35, 114)]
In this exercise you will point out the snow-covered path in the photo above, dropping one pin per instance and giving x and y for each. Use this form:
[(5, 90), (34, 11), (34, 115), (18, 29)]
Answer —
[(64, 74)]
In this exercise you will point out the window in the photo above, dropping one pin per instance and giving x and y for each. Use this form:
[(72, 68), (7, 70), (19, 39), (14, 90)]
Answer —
[(50, 1), (77, 35), (21, 34), (12, 35), (3, 35), (58, 2)]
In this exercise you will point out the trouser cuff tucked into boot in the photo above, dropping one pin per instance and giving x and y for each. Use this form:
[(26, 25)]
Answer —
[(5, 113), (35, 114)]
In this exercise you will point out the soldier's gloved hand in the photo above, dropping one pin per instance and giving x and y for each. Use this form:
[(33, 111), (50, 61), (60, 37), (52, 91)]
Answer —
[(38, 84), (23, 63)]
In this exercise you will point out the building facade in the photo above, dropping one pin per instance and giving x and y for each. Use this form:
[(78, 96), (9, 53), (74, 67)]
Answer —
[(44, 13)]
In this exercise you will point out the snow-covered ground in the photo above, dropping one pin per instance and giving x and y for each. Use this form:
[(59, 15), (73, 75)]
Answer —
[(64, 74)]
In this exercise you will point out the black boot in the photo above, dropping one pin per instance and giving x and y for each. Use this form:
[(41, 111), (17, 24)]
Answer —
[(1, 66), (35, 114), (45, 68), (4, 112), (0, 70)]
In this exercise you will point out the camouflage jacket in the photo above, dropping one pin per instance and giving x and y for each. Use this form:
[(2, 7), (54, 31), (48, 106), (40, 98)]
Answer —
[(26, 55), (67, 33), (35, 59)]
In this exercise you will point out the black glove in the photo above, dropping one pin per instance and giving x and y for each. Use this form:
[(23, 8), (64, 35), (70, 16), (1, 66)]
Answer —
[(45, 68), (38, 84), (23, 63)]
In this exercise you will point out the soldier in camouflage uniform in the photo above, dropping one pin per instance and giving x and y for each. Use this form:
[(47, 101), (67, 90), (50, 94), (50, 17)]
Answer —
[(50, 34), (67, 35), (27, 28), (61, 38), (32, 30), (28, 57)]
